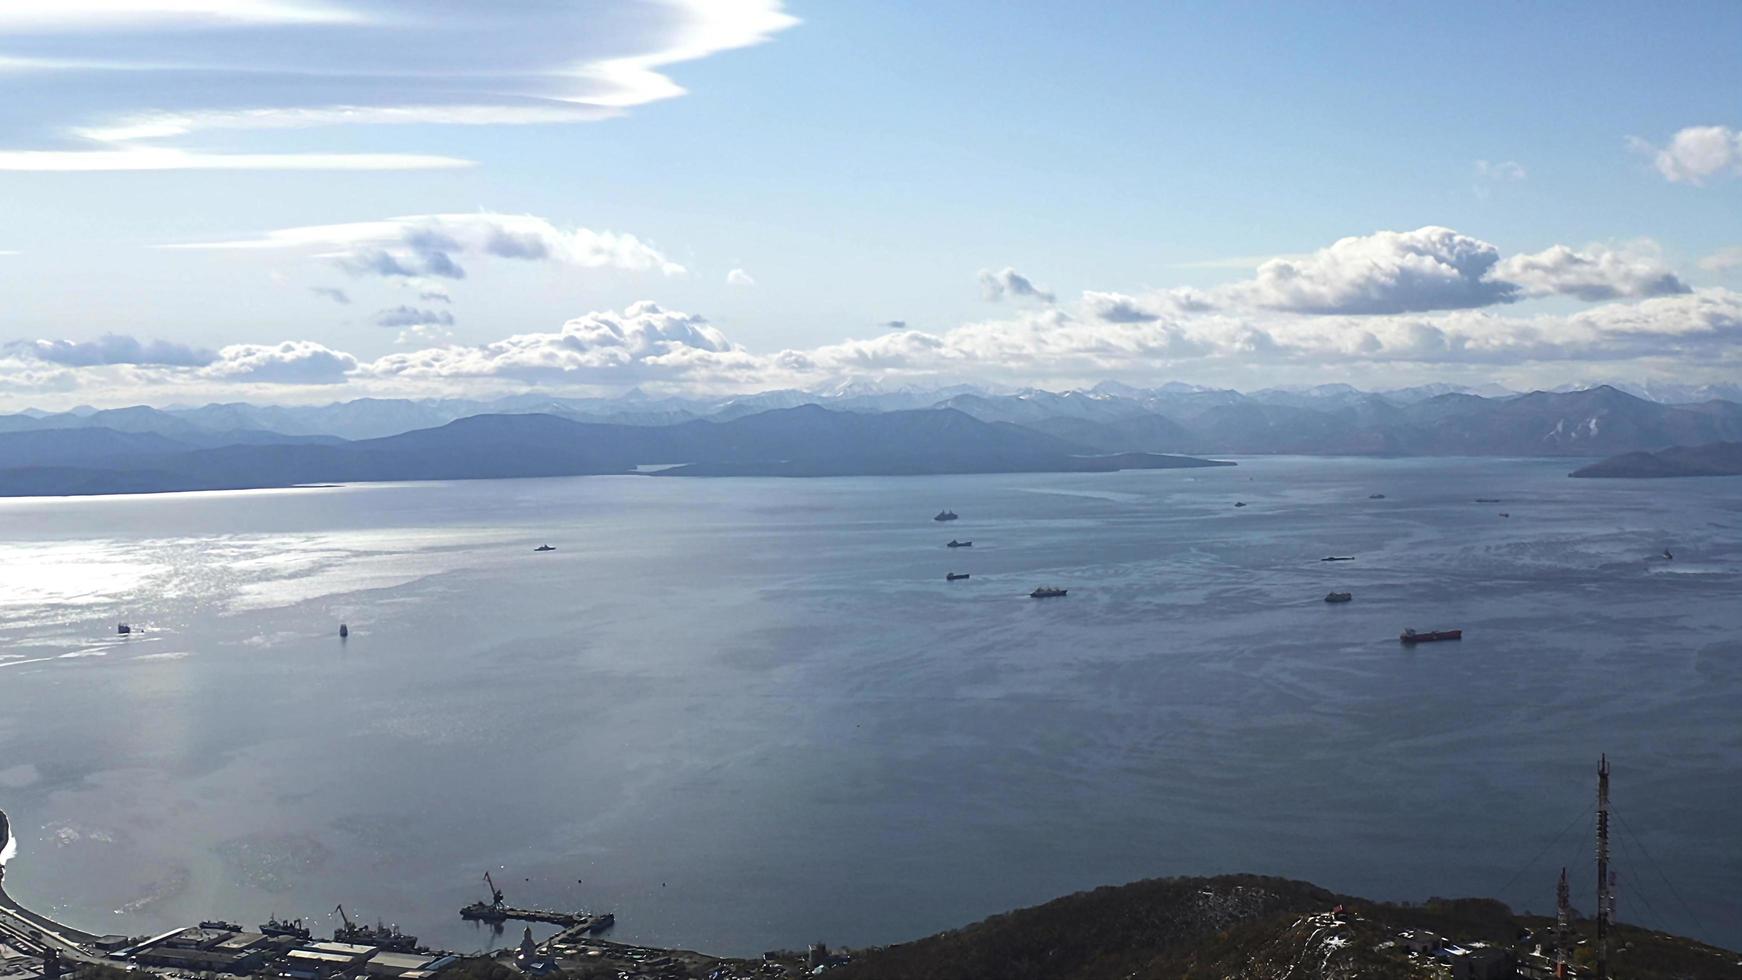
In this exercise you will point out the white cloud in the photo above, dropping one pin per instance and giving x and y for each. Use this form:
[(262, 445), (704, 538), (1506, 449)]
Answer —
[(1723, 260), (1696, 154), (424, 245), (25, 16), (116, 349), (338, 296), (1597, 273), (1430, 268), (1502, 171), (294, 362), (409, 316), (642, 342), (994, 286), (738, 277), (1657, 321), (203, 77)]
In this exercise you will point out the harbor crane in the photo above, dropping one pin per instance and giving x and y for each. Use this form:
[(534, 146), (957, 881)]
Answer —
[(495, 893)]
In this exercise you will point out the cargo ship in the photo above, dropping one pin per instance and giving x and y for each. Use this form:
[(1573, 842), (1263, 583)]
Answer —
[(1047, 592), (1412, 637), (955, 576), (959, 544)]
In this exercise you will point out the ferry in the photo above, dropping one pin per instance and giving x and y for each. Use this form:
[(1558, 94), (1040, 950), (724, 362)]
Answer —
[(945, 515), (955, 576), (1339, 596), (959, 544), (1412, 637), (1047, 592)]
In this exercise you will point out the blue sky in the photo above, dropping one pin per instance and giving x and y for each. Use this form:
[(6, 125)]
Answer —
[(859, 166)]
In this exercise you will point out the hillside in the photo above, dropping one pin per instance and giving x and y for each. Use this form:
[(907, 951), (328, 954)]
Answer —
[(1714, 459), (1246, 926)]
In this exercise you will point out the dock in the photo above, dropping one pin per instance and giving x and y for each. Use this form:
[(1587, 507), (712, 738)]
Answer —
[(571, 921)]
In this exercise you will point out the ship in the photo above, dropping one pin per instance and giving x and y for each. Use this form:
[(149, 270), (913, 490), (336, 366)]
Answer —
[(544, 547), (377, 935), (484, 912), (344, 631), (1239, 503), (959, 544), (1047, 592), (292, 928), (219, 925), (1375, 496), (122, 629), (1338, 558), (955, 576), (1339, 596), (1666, 557), (945, 515), (1487, 500), (1412, 637), (603, 922)]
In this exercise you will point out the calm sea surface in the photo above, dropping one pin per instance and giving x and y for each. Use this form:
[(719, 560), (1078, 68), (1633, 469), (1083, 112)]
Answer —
[(751, 713)]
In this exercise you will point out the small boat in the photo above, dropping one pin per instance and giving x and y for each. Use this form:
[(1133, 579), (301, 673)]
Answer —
[(959, 544), (1239, 503), (945, 515), (1667, 556), (544, 547), (122, 629), (1338, 558), (1339, 596), (1487, 500), (1412, 637), (1375, 496), (1505, 514), (1047, 592), (344, 631), (955, 576)]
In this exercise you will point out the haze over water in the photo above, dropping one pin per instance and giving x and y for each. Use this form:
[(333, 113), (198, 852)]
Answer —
[(751, 713)]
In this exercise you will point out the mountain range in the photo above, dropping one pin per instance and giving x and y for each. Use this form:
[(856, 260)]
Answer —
[(846, 432)]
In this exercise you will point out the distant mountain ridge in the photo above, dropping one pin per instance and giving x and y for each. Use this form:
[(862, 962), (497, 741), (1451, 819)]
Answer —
[(801, 441), (369, 418)]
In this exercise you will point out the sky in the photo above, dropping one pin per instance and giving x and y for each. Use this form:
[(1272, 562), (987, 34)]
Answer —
[(313, 200)]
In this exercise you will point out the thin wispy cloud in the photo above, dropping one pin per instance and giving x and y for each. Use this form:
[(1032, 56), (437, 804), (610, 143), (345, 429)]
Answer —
[(203, 83)]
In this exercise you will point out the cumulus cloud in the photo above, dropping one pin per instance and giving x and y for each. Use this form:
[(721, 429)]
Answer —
[(356, 63), (294, 362), (410, 316), (116, 349), (994, 286), (431, 245), (1118, 308), (738, 277), (642, 342), (1430, 268), (338, 296), (1597, 273), (1696, 154)]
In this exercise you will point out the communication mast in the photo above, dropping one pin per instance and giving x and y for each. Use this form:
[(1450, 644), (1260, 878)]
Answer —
[(1563, 899), (1605, 904)]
